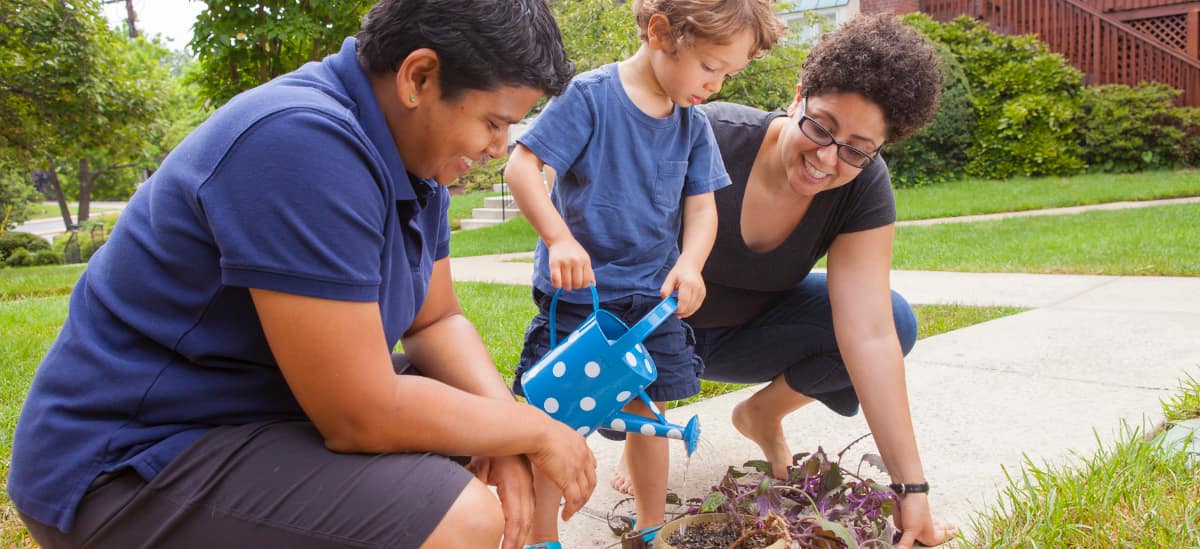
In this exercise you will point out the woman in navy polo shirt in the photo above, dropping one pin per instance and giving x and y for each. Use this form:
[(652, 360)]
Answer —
[(225, 378)]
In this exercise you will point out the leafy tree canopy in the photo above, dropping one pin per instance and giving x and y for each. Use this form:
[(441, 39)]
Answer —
[(243, 43)]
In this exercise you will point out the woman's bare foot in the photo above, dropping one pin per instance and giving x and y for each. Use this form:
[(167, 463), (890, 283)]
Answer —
[(766, 433), (620, 479)]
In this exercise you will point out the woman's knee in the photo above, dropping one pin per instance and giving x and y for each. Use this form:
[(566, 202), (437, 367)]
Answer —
[(474, 520), (906, 322)]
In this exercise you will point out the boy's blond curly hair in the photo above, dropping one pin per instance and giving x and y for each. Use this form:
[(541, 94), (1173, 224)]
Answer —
[(714, 20)]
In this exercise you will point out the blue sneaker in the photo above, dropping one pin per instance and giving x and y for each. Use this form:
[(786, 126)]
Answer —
[(647, 535), (545, 545)]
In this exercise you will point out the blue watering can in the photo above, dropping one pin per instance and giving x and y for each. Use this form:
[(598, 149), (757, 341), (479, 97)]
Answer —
[(602, 365)]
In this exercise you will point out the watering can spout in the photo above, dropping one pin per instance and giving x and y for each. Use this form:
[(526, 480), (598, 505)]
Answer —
[(630, 423)]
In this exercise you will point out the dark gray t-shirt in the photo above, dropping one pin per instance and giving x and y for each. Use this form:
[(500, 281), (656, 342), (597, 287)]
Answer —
[(742, 283)]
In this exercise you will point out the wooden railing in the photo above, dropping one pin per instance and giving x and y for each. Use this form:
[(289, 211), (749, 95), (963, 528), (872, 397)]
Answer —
[(1106, 50), (1121, 5)]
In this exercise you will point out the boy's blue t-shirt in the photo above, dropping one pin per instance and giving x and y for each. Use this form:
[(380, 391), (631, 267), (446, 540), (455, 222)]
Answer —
[(621, 178), (295, 186)]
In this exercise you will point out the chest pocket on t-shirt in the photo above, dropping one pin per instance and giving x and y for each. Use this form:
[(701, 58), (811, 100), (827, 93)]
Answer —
[(668, 185)]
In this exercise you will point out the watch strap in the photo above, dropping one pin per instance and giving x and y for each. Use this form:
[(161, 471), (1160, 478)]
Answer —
[(917, 488)]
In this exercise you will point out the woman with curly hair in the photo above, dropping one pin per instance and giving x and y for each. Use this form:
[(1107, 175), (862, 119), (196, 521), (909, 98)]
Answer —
[(808, 183)]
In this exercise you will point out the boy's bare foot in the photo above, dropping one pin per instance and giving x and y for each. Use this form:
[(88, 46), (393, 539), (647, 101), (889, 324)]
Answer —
[(767, 434), (620, 480)]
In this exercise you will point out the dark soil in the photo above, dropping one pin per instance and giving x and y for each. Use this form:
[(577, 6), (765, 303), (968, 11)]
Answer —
[(715, 535)]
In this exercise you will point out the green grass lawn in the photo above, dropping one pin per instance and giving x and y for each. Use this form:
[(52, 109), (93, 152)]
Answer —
[(514, 235), (1160, 240), (462, 204), (29, 327), (975, 196), (1136, 492)]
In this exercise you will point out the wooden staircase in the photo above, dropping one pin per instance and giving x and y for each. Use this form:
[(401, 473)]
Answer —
[(1111, 41)]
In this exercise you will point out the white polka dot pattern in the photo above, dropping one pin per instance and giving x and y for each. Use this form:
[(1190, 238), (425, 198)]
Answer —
[(648, 430), (587, 404), (583, 431), (617, 424), (675, 434), (623, 396), (551, 405), (630, 359), (560, 368), (592, 369)]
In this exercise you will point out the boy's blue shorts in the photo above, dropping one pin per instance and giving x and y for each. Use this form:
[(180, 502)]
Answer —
[(671, 345)]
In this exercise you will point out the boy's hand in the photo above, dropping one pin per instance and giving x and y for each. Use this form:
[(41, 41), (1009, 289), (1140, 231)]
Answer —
[(570, 265), (687, 281)]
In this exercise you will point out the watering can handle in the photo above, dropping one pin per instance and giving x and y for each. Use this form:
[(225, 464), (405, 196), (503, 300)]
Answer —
[(554, 307), (647, 324)]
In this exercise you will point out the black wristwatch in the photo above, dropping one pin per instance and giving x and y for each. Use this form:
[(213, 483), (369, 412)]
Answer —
[(901, 489)]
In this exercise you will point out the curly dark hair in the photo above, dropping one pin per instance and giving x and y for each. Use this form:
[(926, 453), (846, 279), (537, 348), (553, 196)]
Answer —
[(481, 44), (883, 60)]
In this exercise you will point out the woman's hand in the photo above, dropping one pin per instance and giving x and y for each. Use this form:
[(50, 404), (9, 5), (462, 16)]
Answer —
[(917, 523), (570, 264), (564, 457), (687, 281), (513, 479)]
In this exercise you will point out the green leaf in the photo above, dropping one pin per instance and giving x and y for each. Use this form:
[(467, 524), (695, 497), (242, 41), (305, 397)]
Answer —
[(712, 502), (762, 466), (841, 533)]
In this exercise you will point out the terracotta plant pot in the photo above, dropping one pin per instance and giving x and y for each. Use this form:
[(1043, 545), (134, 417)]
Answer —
[(669, 529)]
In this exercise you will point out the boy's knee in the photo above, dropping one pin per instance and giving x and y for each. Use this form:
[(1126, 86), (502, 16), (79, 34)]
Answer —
[(474, 520)]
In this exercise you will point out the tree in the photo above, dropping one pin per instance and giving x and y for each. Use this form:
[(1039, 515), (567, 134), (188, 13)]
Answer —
[(78, 94), (243, 43), (16, 195), (598, 32)]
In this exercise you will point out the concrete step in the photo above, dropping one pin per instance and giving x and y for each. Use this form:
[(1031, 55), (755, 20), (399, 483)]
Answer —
[(500, 188), (506, 202), (468, 224), (501, 214)]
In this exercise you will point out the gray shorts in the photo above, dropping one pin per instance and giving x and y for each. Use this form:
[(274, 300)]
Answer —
[(266, 485)]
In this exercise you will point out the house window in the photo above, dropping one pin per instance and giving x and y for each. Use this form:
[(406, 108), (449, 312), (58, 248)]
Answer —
[(807, 19)]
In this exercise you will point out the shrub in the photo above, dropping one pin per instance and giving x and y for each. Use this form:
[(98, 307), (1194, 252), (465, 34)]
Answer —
[(1126, 129), (90, 236), (938, 152), (1189, 122), (483, 176), (1026, 99), (46, 257), (13, 241), (19, 257)]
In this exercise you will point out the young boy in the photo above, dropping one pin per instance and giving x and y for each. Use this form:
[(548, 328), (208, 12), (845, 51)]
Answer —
[(634, 163)]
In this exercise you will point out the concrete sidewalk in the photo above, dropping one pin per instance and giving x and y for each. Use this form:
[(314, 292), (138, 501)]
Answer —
[(1092, 353)]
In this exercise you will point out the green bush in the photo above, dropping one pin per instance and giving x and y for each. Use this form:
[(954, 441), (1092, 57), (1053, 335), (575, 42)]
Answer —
[(1189, 149), (1126, 129), (1026, 99), (46, 257), (482, 176), (10, 242), (938, 152), (19, 257), (84, 245)]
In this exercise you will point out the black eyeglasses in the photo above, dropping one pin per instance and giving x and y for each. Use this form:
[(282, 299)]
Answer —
[(817, 133)]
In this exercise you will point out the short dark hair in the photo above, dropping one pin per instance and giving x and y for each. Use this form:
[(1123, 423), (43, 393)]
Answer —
[(884, 60), (481, 44)]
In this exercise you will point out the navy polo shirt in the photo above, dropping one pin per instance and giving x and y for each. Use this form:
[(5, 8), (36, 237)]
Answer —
[(295, 186)]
